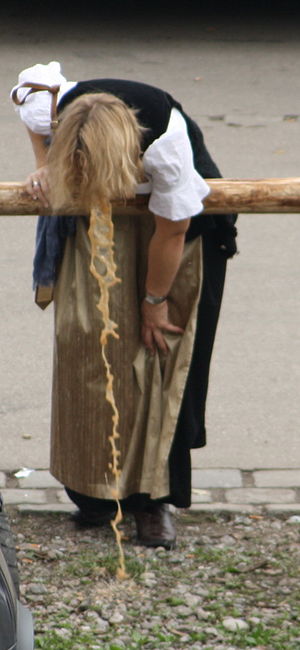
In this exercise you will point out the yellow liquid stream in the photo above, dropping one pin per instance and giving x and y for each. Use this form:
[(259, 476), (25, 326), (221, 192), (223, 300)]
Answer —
[(103, 268)]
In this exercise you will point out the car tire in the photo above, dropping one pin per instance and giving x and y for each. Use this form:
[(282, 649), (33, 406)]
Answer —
[(8, 549)]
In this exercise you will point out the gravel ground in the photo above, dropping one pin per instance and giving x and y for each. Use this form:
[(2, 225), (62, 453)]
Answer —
[(232, 582)]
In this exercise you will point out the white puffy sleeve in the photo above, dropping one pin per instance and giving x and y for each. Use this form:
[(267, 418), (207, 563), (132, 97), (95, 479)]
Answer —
[(36, 110), (177, 190)]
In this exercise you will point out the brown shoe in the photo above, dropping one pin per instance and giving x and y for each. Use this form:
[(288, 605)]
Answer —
[(89, 519), (155, 528)]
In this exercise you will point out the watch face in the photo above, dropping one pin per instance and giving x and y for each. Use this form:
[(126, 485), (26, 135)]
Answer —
[(154, 300)]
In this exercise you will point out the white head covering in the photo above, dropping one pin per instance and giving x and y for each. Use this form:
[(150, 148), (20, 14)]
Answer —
[(36, 110)]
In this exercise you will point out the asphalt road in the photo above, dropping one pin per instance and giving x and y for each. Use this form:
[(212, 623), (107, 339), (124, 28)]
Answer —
[(238, 76)]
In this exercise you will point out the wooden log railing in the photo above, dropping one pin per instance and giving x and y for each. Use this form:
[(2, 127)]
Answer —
[(271, 195)]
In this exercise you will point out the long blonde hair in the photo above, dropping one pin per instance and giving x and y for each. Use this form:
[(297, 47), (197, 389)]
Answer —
[(95, 153)]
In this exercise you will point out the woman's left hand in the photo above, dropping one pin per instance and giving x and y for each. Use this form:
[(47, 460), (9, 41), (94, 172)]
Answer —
[(155, 321), (37, 185)]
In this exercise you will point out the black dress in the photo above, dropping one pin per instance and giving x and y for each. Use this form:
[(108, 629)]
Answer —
[(218, 234)]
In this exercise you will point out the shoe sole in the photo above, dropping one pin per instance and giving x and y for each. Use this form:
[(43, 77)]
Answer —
[(168, 545)]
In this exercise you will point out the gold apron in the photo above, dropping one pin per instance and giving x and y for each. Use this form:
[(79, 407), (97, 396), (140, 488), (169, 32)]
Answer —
[(148, 389)]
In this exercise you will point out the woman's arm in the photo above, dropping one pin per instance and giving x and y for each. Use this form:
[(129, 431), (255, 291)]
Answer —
[(37, 182), (164, 257)]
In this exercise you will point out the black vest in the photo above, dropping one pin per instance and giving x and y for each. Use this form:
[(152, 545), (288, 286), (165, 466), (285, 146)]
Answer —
[(154, 108), (153, 105)]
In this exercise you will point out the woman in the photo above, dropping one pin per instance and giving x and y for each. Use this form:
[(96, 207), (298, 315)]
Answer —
[(116, 138)]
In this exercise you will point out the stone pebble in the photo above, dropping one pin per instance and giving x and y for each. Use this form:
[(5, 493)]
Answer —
[(170, 592), (234, 624)]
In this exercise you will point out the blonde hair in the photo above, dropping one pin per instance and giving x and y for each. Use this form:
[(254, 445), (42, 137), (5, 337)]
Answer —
[(95, 153)]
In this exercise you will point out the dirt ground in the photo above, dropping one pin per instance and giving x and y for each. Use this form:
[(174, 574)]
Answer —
[(232, 582)]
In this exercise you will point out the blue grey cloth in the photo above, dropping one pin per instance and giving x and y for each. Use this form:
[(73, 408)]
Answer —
[(51, 234)]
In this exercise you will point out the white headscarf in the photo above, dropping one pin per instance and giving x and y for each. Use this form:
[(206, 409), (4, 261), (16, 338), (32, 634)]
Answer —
[(35, 112)]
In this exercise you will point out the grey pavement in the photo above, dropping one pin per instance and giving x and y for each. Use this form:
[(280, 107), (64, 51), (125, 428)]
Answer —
[(217, 490), (237, 75)]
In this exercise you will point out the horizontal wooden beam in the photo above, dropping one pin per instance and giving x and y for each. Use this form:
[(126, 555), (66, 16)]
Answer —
[(269, 195)]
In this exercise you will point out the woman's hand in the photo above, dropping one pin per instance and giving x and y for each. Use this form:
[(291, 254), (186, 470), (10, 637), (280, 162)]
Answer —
[(155, 321), (37, 185), (164, 257)]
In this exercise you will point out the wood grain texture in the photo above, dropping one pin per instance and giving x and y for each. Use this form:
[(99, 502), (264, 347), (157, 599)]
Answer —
[(268, 195)]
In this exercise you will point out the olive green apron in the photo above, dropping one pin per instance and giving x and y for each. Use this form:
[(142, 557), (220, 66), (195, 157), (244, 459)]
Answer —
[(148, 388)]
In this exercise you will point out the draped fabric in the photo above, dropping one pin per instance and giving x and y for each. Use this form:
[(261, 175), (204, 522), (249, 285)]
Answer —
[(148, 389)]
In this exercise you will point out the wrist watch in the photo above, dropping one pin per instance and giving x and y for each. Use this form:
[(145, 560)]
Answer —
[(154, 300)]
